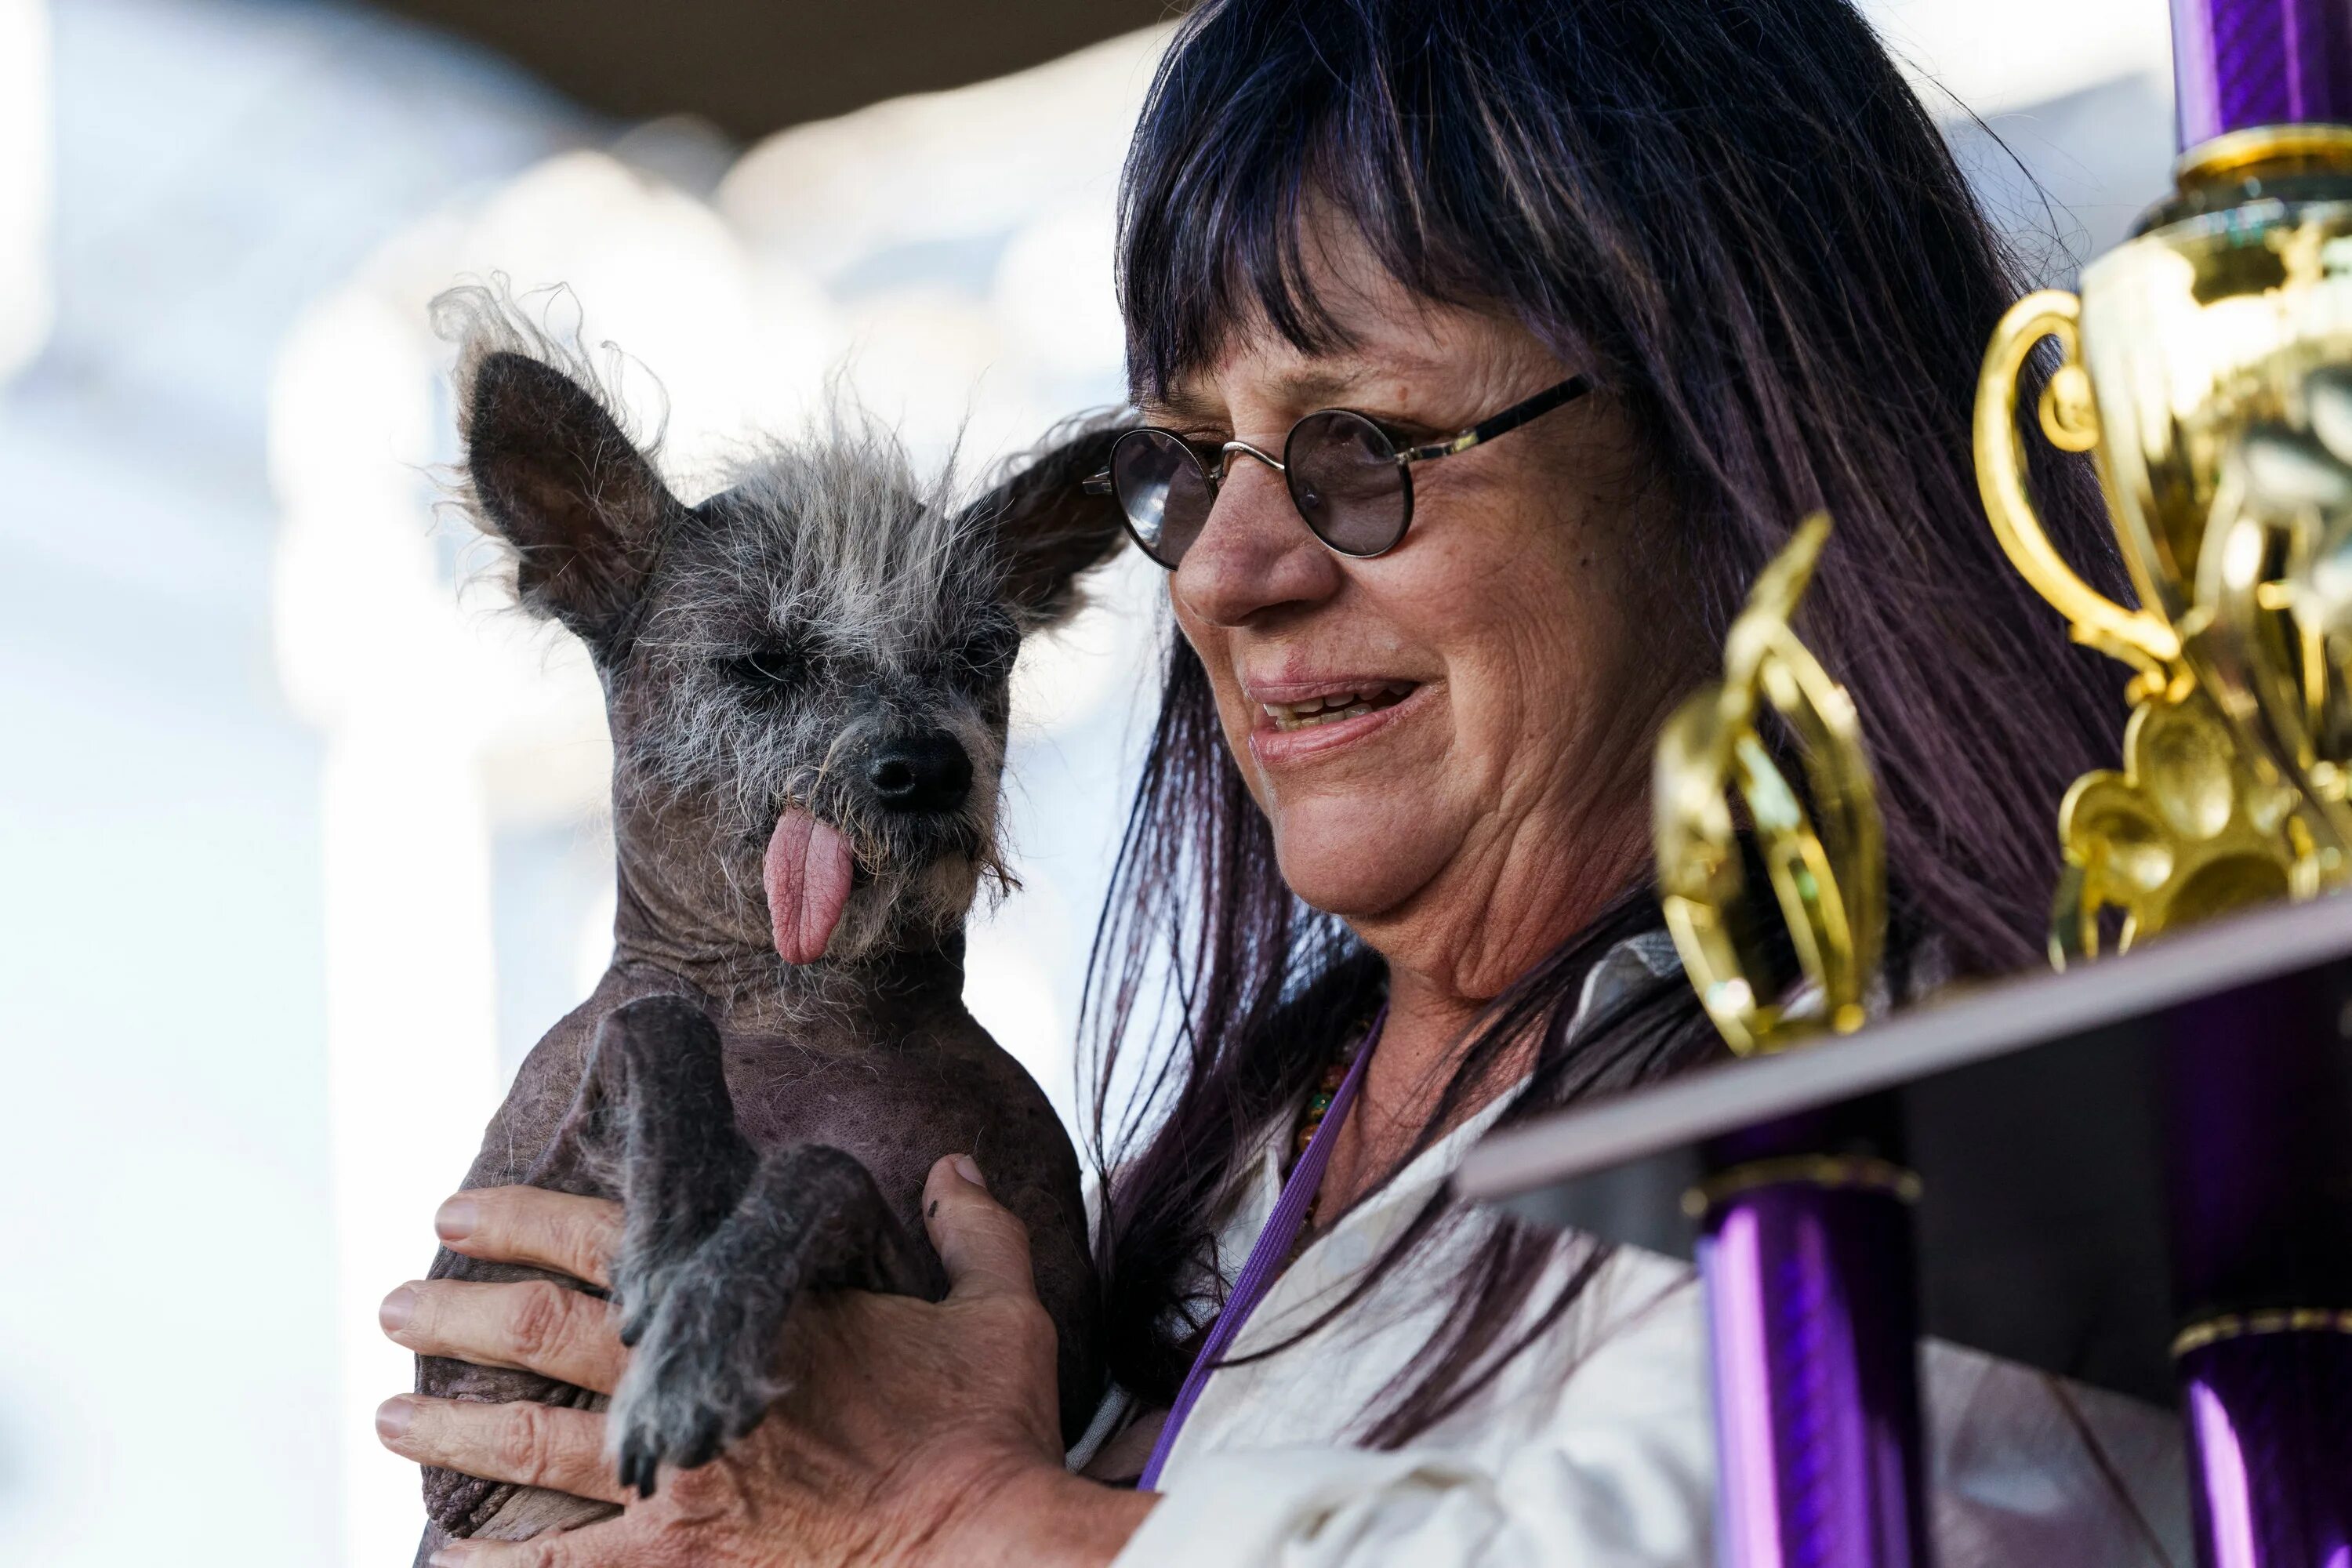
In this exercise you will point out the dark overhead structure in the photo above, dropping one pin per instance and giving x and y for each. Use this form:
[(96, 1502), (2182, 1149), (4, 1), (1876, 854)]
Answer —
[(751, 67)]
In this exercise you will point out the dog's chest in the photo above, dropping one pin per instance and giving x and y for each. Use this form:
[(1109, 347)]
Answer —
[(895, 1105), (896, 1086)]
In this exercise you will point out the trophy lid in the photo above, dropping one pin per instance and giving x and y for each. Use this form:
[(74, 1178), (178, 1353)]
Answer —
[(2053, 1228), (2239, 64)]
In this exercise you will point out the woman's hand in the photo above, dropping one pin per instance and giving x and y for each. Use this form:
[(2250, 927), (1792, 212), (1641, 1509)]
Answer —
[(913, 1434)]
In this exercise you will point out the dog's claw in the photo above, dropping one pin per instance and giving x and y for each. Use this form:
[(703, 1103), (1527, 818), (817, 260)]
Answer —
[(639, 1467)]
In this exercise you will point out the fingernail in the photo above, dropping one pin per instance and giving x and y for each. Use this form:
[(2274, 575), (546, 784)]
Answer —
[(397, 1309), (453, 1555), (969, 1169), (392, 1418), (455, 1220)]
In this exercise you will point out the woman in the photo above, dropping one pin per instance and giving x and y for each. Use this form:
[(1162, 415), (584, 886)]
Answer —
[(1713, 262)]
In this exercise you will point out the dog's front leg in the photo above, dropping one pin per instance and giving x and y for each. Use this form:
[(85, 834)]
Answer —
[(705, 1371)]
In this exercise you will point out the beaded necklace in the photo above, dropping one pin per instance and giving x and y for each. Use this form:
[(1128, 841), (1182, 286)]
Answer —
[(1318, 1104), (1310, 1121)]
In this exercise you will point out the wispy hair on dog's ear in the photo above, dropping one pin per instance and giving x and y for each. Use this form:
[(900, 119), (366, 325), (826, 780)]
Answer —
[(1046, 529), (550, 467)]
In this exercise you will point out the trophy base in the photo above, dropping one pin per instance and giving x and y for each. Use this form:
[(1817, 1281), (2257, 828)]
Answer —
[(2038, 1115)]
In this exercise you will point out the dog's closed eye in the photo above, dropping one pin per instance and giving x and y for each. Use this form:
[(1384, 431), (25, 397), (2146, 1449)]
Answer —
[(989, 657), (772, 666)]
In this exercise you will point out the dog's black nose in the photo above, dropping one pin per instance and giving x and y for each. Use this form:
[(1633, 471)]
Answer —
[(920, 772)]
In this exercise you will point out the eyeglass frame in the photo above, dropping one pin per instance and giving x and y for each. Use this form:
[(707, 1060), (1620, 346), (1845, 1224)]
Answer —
[(1520, 413)]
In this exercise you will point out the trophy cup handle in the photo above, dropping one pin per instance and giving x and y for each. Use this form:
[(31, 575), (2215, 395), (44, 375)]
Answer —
[(2070, 419)]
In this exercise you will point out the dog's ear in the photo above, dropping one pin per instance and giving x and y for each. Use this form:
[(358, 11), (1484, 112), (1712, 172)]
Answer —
[(554, 474), (1046, 524)]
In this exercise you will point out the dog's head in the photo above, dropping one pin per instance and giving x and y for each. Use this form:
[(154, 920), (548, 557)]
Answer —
[(807, 676)]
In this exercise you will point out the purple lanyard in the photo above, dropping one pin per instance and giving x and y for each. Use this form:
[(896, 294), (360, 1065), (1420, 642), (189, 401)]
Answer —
[(1266, 1258)]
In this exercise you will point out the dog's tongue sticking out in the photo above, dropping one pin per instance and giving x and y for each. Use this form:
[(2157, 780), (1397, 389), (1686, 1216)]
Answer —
[(807, 874)]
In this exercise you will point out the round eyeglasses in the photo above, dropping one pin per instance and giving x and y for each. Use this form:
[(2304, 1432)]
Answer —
[(1348, 478)]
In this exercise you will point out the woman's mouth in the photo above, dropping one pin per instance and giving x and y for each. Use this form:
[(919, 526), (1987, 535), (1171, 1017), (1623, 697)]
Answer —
[(1336, 707)]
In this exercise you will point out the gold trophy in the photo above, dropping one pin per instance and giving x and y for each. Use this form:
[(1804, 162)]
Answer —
[(2208, 367), (1828, 878), (2201, 366)]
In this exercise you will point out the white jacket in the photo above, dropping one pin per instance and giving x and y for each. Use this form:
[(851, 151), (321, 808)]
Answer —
[(1593, 1449)]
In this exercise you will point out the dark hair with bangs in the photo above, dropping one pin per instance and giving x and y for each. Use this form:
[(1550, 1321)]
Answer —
[(1738, 218)]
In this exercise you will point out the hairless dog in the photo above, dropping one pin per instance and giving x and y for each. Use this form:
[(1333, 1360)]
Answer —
[(807, 680)]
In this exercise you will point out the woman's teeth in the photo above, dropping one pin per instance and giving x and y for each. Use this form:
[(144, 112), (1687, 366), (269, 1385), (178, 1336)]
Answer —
[(1339, 705)]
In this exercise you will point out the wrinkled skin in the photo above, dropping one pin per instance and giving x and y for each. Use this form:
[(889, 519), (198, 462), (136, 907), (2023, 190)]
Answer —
[(1530, 618), (912, 1433), (768, 1071)]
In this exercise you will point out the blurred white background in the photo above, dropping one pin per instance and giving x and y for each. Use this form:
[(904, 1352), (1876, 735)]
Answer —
[(299, 839)]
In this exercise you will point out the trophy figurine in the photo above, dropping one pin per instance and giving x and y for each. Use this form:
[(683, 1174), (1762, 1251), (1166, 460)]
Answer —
[(1829, 882)]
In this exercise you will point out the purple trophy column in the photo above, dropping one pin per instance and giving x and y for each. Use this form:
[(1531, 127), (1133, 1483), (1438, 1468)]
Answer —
[(2260, 1194), (2260, 1142), (1811, 1318), (2241, 63)]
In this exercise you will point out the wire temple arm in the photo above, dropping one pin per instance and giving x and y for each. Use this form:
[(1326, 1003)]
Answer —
[(1510, 418)]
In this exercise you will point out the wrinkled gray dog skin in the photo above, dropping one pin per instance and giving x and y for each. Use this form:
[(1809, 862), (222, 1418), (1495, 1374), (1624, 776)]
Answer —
[(806, 679)]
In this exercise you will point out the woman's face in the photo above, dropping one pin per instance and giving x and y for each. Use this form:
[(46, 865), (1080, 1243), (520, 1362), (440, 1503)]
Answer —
[(1497, 675)]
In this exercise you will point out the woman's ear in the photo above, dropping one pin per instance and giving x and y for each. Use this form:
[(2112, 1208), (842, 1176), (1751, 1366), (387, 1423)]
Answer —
[(553, 474), (1046, 526)]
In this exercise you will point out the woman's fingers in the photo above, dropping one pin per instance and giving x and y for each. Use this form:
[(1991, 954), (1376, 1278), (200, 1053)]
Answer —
[(982, 1244), (546, 1552), (598, 1546), (642, 1538), (572, 1236), (528, 1443), (535, 1326)]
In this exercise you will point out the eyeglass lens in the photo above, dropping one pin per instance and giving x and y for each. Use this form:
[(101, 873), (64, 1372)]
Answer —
[(1163, 489), (1348, 484), (1341, 467)]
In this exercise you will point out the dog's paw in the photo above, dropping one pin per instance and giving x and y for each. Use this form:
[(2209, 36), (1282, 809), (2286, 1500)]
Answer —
[(701, 1376)]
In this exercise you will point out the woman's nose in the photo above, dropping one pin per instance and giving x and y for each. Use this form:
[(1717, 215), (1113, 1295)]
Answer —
[(1254, 553)]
